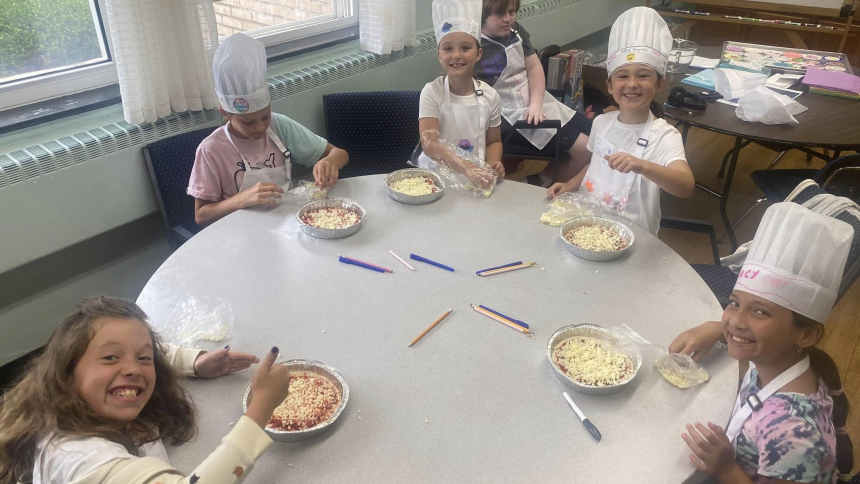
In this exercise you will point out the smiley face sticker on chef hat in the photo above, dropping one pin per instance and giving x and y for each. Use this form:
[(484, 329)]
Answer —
[(796, 260), (239, 67), (639, 36), (456, 16)]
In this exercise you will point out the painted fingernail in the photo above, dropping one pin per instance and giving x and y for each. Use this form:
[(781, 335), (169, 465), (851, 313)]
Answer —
[(275, 349), (226, 347)]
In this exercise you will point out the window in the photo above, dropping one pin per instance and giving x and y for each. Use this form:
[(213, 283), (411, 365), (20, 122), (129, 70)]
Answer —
[(278, 21), (49, 48), (52, 48)]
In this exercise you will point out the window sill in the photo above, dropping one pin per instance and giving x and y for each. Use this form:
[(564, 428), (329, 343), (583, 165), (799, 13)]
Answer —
[(37, 113)]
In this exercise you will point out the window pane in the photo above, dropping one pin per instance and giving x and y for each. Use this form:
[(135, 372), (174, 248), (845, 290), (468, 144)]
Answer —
[(42, 35), (242, 15)]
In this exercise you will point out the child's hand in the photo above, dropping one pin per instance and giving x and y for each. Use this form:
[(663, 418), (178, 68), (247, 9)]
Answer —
[(269, 388), (697, 341), (535, 113), (498, 167), (481, 177), (625, 163), (222, 362), (325, 174), (557, 189), (712, 451), (263, 193)]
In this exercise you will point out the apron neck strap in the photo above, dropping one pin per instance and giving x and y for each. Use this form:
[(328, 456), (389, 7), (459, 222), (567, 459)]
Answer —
[(270, 133), (744, 408)]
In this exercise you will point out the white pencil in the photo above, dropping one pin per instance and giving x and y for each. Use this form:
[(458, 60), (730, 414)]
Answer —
[(401, 260)]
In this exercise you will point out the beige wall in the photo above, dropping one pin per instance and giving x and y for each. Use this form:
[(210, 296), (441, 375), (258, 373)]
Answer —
[(240, 15)]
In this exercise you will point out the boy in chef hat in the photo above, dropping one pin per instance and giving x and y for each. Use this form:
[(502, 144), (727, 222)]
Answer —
[(635, 154), (463, 110), (788, 423), (249, 161), (511, 65)]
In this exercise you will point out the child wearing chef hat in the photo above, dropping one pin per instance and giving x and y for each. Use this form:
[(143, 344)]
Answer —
[(788, 422), (511, 65), (249, 161), (634, 154), (465, 111)]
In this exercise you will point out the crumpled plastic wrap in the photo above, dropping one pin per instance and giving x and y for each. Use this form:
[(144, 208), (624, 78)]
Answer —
[(458, 168), (676, 368), (569, 205), (197, 320), (306, 192)]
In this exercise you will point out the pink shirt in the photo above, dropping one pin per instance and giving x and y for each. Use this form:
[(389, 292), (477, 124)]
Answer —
[(218, 169), (222, 170)]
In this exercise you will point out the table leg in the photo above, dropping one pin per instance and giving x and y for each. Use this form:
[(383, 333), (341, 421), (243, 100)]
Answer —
[(724, 199), (686, 129)]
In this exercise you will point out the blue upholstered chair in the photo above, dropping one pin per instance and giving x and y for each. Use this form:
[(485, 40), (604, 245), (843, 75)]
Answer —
[(379, 130), (170, 161)]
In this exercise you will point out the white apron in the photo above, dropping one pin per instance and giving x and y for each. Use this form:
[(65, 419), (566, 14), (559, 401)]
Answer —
[(279, 175), (464, 125), (612, 186), (513, 88), (743, 409)]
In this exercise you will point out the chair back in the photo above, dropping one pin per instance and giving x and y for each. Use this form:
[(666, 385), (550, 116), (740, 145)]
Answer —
[(170, 162), (379, 130)]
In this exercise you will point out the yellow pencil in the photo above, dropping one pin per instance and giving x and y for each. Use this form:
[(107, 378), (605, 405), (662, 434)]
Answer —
[(431, 326), (506, 269), (503, 321)]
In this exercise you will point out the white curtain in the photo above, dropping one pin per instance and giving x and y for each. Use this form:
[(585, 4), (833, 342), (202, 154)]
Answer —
[(163, 52), (386, 26)]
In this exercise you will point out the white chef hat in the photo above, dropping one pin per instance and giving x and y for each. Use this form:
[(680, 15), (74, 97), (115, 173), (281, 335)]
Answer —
[(796, 260), (639, 36), (457, 16), (240, 74)]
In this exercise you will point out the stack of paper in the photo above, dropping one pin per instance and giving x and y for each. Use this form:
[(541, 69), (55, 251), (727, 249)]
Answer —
[(832, 83), (704, 62)]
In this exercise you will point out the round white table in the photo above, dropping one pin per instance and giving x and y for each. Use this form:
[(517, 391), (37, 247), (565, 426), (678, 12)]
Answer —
[(473, 401)]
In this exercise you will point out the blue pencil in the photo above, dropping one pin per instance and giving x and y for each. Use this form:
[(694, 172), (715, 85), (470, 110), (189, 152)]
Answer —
[(524, 325), (428, 261), (500, 267), (359, 264)]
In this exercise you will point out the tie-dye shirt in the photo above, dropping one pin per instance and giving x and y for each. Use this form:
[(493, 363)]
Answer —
[(791, 437)]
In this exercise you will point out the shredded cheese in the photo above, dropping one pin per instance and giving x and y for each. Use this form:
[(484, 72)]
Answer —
[(312, 400), (415, 186), (331, 218), (595, 237), (589, 362), (686, 379)]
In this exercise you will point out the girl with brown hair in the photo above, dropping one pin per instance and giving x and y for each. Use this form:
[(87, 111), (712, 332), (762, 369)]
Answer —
[(788, 422), (97, 404)]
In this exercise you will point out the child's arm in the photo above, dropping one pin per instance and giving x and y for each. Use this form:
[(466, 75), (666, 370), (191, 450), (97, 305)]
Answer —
[(208, 364), (698, 341), (676, 178), (713, 454), (537, 86), (494, 150), (437, 151), (571, 185), (238, 450), (206, 211), (326, 170)]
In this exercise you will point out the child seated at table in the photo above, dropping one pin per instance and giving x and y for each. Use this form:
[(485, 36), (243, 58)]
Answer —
[(97, 404), (511, 65), (788, 423), (634, 154), (247, 162), (461, 109)]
